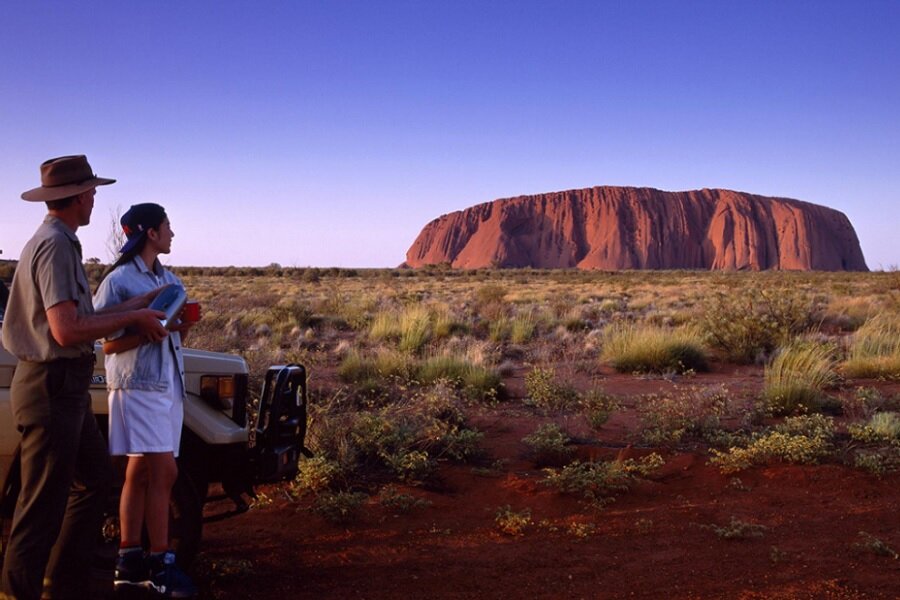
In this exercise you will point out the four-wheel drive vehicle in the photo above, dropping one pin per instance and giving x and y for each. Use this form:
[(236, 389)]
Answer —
[(226, 439)]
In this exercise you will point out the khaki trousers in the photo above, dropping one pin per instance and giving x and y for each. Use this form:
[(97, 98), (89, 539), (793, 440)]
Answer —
[(66, 476)]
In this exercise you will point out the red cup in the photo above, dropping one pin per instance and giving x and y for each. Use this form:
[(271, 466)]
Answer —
[(191, 312)]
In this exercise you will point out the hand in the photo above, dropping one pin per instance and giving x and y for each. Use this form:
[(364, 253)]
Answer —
[(148, 326), (183, 327)]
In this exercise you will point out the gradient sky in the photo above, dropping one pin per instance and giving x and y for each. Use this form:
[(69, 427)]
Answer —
[(329, 133)]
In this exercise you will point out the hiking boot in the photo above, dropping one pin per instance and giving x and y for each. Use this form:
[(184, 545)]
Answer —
[(132, 570), (167, 580)]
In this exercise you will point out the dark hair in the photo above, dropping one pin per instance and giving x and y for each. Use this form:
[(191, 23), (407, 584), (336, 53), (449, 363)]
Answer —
[(159, 215), (61, 203)]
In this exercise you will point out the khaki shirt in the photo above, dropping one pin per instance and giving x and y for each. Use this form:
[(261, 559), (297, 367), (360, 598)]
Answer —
[(49, 272)]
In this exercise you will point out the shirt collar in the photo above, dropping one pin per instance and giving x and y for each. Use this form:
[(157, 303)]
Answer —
[(139, 263), (57, 223)]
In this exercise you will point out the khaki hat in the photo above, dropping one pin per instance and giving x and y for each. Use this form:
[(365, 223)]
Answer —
[(63, 177)]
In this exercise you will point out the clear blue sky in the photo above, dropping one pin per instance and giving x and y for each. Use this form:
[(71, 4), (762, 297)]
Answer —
[(328, 133)]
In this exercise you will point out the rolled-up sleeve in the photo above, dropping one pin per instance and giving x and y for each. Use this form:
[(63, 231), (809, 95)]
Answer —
[(109, 294)]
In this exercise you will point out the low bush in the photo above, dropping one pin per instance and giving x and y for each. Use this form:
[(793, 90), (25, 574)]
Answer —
[(511, 522), (545, 391), (548, 445), (597, 406), (693, 412), (597, 481), (651, 349), (882, 427), (804, 439), (339, 507)]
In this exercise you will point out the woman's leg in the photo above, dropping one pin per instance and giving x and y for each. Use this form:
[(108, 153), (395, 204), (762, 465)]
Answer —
[(131, 503), (161, 474)]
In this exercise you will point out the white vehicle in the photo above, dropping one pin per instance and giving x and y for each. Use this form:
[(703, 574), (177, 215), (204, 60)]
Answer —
[(226, 439)]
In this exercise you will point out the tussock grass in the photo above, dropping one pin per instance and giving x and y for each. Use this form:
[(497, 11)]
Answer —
[(651, 349), (797, 376), (875, 350)]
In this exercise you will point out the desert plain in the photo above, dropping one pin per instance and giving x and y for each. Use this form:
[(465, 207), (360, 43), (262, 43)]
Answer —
[(568, 434)]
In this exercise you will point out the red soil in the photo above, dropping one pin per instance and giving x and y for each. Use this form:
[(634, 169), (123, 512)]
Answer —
[(654, 541)]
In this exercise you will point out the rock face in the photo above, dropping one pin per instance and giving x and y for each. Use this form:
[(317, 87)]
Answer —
[(614, 228)]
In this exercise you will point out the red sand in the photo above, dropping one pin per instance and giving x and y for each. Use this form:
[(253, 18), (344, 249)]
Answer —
[(652, 542)]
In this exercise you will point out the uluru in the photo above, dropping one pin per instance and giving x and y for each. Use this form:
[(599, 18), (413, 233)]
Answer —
[(617, 228)]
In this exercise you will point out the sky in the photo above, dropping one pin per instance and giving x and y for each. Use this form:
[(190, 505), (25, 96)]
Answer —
[(329, 133)]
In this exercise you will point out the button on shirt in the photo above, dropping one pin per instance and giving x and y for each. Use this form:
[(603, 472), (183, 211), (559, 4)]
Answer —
[(49, 272), (147, 366)]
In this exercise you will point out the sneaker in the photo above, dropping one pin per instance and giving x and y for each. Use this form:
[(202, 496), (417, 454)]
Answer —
[(168, 580), (132, 570)]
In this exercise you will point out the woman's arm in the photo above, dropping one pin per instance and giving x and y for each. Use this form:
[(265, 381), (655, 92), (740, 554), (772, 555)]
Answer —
[(122, 344)]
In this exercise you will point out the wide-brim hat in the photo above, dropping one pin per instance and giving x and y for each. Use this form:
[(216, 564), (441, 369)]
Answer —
[(63, 177)]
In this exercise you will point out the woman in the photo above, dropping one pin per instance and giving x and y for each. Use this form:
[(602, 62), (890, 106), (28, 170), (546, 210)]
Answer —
[(146, 408)]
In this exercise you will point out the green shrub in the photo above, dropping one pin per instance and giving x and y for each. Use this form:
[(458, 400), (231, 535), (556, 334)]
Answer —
[(797, 376), (804, 440), (597, 406), (882, 427), (339, 507), (316, 474), (746, 324), (597, 481), (737, 530), (651, 349), (548, 445), (544, 391), (693, 412), (511, 522), (400, 503)]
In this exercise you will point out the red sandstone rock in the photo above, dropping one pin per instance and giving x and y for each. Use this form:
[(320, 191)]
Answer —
[(615, 228)]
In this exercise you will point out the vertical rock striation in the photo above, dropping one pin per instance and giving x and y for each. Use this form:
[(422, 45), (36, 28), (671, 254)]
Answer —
[(613, 228)]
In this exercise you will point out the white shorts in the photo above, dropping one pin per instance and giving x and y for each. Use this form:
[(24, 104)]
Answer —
[(144, 421)]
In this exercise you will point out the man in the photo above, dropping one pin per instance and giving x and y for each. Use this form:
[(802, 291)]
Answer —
[(50, 325)]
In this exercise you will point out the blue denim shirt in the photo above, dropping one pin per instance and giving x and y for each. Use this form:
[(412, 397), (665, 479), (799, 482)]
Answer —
[(140, 368)]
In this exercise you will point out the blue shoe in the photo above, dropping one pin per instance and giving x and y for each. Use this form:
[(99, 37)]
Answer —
[(132, 570), (167, 580)]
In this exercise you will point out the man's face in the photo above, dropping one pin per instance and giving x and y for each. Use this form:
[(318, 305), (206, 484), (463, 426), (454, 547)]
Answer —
[(86, 206)]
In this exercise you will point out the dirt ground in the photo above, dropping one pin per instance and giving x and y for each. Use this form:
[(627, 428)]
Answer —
[(655, 541)]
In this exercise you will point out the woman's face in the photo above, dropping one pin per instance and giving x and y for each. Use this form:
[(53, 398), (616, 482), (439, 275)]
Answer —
[(163, 238)]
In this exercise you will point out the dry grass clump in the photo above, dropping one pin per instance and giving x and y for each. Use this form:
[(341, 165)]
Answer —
[(651, 349), (875, 349), (797, 376)]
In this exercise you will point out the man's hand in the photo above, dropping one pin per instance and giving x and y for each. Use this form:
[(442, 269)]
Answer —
[(147, 324)]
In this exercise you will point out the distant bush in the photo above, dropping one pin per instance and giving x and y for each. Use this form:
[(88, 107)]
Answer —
[(651, 349), (747, 325), (693, 412), (598, 481)]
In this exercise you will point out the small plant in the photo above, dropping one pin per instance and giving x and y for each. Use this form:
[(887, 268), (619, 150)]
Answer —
[(414, 466), (262, 500), (796, 377), (339, 507), (643, 526), (581, 530), (651, 349), (400, 503), (597, 407), (863, 403), (511, 522), (598, 481), (316, 474), (870, 543), (737, 530), (803, 440), (883, 427), (544, 391), (690, 412), (548, 445)]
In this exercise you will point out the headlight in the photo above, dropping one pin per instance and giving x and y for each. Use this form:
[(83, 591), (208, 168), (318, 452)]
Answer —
[(218, 391)]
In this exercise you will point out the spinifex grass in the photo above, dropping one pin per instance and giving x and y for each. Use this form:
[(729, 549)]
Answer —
[(651, 349), (797, 376), (875, 350)]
